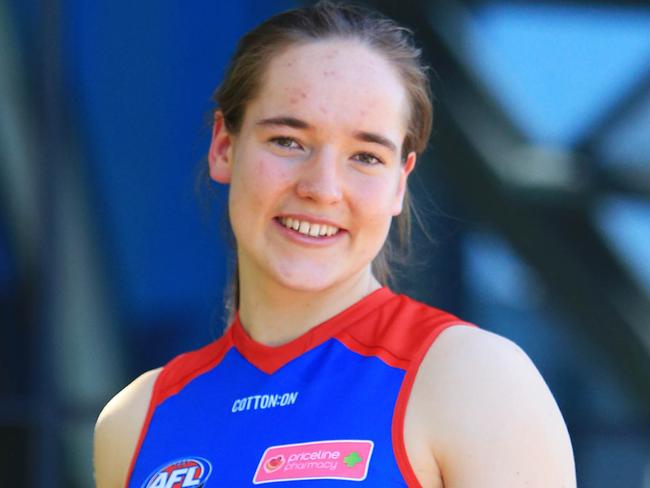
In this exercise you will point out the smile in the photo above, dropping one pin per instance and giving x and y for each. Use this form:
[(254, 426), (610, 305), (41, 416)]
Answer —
[(309, 228)]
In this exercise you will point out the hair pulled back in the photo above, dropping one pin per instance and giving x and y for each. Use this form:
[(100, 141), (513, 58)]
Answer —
[(326, 20)]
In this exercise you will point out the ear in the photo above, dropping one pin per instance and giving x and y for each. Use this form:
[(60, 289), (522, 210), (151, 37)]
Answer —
[(405, 170), (220, 153)]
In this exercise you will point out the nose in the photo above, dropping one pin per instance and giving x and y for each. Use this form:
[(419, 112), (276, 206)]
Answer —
[(319, 179)]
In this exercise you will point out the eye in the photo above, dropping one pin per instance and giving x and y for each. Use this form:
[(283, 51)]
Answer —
[(285, 142), (367, 158)]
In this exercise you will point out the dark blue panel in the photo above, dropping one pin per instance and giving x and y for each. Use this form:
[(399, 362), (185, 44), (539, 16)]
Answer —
[(141, 78)]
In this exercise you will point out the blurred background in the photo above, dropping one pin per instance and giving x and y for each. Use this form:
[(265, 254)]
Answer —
[(536, 190)]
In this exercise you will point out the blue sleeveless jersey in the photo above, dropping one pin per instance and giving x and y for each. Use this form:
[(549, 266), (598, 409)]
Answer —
[(326, 409)]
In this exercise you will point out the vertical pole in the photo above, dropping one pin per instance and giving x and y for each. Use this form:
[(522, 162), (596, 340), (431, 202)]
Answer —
[(46, 441)]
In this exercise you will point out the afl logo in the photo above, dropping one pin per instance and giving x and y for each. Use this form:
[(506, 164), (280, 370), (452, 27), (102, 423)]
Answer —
[(182, 473)]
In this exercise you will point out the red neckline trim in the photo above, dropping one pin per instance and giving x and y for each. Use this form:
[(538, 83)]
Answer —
[(271, 358)]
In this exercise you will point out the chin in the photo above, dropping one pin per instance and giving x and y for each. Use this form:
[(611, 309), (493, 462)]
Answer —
[(307, 283), (316, 279)]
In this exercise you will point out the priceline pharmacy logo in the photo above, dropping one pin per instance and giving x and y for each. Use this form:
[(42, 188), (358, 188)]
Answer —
[(338, 460)]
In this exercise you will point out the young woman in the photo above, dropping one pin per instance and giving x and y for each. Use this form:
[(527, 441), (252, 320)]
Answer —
[(325, 376)]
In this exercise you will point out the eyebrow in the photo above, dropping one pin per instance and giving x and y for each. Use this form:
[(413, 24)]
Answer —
[(287, 121), (376, 139), (301, 124)]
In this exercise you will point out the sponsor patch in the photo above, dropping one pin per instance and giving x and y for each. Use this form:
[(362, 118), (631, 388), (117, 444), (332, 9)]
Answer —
[(338, 460), (182, 473), (262, 402)]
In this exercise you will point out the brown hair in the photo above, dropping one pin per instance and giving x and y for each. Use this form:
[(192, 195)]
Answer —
[(327, 20)]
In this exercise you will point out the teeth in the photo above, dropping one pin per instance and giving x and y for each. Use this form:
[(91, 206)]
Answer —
[(309, 229)]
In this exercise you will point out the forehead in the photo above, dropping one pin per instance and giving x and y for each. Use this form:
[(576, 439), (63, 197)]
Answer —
[(340, 83)]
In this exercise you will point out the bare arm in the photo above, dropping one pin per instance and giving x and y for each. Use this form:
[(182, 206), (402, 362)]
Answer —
[(118, 429), (490, 418)]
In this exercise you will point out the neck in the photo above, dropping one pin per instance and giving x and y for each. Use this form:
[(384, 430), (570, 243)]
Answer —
[(274, 315)]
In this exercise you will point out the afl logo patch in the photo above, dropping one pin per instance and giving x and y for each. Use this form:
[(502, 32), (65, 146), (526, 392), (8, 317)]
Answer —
[(183, 473)]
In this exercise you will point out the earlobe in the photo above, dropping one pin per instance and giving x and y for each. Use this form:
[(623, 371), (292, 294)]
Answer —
[(405, 171), (220, 153)]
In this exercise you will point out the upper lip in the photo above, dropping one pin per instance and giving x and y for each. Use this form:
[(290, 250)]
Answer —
[(311, 219)]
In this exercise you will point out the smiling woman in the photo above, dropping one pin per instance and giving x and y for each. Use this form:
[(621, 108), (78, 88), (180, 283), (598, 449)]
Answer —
[(319, 123), (320, 150)]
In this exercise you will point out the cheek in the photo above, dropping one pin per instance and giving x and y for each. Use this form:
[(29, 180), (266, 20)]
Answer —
[(375, 198), (254, 185), (374, 211)]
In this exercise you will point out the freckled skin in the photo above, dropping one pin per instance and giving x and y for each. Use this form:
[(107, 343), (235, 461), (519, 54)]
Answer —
[(323, 177)]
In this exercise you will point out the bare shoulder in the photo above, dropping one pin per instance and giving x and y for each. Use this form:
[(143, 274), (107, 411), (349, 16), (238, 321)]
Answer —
[(490, 418), (118, 429)]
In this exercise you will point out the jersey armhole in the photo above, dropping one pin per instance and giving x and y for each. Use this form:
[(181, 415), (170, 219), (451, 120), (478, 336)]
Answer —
[(173, 377), (153, 402), (397, 428)]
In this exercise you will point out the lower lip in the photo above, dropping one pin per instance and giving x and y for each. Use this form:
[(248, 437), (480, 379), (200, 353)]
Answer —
[(299, 238)]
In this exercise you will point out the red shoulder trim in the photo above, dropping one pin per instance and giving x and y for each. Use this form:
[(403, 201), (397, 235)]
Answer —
[(396, 332), (400, 335), (399, 447), (175, 375)]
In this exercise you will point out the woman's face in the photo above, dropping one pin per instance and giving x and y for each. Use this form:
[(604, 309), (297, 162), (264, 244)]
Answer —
[(315, 172)]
